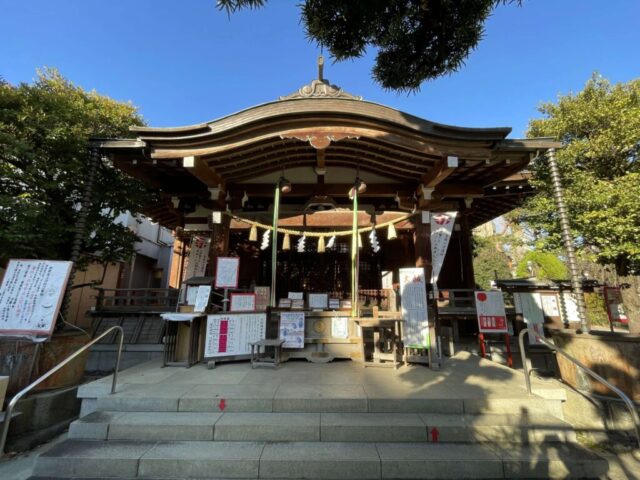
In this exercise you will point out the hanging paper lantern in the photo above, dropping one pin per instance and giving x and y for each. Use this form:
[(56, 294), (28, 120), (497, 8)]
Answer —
[(331, 242), (286, 243), (321, 245), (301, 242), (265, 240), (391, 232), (253, 234)]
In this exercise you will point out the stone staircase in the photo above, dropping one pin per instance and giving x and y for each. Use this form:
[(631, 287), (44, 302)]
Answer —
[(318, 434)]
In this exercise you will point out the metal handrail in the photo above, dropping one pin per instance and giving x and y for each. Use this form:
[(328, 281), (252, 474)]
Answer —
[(628, 402), (21, 393)]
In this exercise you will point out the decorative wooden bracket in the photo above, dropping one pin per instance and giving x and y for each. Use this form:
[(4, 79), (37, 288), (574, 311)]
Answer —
[(207, 175)]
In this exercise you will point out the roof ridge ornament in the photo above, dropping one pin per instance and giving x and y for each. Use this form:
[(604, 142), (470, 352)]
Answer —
[(320, 88)]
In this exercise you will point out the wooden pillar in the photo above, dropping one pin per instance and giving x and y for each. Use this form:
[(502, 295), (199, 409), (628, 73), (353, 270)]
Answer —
[(219, 241), (466, 253)]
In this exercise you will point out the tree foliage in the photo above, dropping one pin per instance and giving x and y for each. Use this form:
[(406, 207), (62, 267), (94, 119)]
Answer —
[(489, 260), (45, 128), (545, 266), (600, 170), (416, 40)]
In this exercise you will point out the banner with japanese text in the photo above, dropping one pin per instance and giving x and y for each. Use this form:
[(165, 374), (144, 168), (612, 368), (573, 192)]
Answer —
[(441, 227)]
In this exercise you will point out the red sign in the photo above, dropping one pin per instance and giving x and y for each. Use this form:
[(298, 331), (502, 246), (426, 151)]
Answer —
[(493, 322)]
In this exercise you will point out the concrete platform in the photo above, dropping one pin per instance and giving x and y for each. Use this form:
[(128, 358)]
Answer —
[(465, 384)]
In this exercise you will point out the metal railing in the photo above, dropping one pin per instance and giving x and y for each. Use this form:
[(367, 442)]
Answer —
[(21, 393), (628, 402)]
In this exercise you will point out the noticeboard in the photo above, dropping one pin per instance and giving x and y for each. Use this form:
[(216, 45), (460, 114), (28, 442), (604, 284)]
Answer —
[(231, 334), (413, 294), (243, 302), (31, 295), (491, 314), (292, 329), (227, 270)]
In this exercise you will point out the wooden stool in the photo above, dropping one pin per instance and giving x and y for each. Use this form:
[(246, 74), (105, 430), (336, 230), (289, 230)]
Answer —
[(260, 359)]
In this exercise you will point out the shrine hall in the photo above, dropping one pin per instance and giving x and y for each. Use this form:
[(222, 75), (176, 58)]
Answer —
[(328, 196)]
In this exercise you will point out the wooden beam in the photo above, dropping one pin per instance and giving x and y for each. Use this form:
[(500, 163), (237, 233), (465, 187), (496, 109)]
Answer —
[(197, 167), (458, 190), (440, 171), (332, 189)]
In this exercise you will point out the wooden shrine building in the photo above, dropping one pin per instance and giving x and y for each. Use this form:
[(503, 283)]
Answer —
[(219, 178)]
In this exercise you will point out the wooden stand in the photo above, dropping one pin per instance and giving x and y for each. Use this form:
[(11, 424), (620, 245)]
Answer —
[(174, 342), (260, 359), (386, 335)]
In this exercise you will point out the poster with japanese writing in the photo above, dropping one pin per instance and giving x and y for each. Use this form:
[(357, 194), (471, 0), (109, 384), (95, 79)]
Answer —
[(490, 310), (318, 301), (533, 315), (441, 227), (232, 333), (550, 305), (202, 298), (413, 295), (227, 270), (339, 327), (292, 329), (198, 257), (263, 296), (31, 295), (243, 302)]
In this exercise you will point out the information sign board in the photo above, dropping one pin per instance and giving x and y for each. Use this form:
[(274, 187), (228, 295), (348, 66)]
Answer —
[(533, 315), (263, 296), (198, 257), (30, 296), (202, 298), (318, 301), (243, 302), (413, 292), (227, 269), (292, 329), (340, 327), (232, 333), (490, 310)]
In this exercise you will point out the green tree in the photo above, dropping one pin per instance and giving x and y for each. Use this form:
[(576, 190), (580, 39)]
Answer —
[(600, 130), (416, 40), (489, 260), (45, 129), (545, 266)]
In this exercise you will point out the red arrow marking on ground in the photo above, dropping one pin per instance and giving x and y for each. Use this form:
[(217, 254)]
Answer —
[(222, 404), (434, 435)]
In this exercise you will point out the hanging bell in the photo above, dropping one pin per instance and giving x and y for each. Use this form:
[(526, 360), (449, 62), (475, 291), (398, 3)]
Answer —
[(286, 243), (391, 232), (253, 234), (321, 245)]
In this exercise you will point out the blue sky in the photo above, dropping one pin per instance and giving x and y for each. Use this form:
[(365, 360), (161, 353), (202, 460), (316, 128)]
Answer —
[(183, 62)]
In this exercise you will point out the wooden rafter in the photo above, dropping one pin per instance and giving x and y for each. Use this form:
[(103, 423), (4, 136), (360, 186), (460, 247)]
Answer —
[(203, 172)]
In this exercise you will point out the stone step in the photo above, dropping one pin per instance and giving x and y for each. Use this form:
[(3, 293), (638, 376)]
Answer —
[(314, 399), (325, 427), (313, 460)]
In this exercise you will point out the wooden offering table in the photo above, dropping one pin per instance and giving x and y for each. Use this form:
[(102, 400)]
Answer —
[(381, 340)]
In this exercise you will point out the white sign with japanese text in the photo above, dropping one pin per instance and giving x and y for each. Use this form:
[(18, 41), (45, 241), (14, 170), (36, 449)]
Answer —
[(292, 329), (232, 333), (490, 310), (413, 294), (198, 257), (227, 271), (31, 295)]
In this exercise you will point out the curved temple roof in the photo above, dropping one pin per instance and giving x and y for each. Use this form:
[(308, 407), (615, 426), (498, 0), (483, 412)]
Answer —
[(330, 134)]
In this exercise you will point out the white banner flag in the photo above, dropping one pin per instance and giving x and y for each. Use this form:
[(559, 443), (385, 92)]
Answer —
[(198, 257), (441, 227)]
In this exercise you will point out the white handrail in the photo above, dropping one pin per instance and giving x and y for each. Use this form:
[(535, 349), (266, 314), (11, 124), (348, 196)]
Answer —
[(21, 393), (628, 402)]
